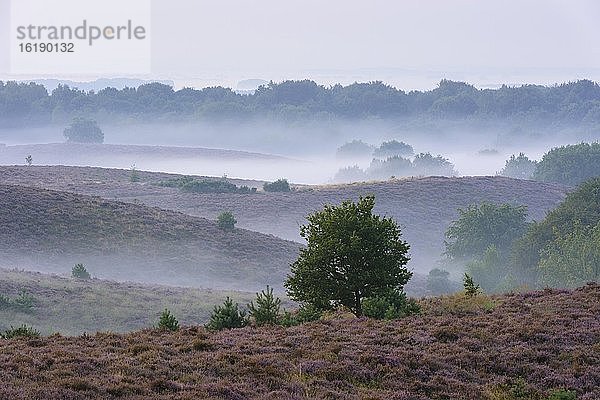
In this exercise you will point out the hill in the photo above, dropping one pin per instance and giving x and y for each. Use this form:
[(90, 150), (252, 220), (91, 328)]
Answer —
[(73, 306), (519, 346), (423, 206), (51, 231)]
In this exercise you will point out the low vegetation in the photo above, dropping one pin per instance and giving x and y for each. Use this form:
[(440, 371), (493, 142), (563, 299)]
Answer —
[(193, 185), (538, 345)]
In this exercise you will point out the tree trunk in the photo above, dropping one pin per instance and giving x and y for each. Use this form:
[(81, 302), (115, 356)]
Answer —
[(357, 304)]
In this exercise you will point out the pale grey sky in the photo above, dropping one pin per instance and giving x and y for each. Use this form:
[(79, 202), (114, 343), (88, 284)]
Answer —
[(410, 43)]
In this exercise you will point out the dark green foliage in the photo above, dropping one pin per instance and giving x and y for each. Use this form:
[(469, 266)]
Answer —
[(193, 185), (266, 310), (569, 165), (389, 304), (226, 221), (471, 288), (306, 313), (79, 271), (394, 148), (24, 302), (167, 321), (227, 316), (519, 167), (580, 208), (479, 227), (351, 254), (438, 282), (280, 185), (489, 269), (21, 331), (354, 149), (572, 259), (562, 394), (84, 130)]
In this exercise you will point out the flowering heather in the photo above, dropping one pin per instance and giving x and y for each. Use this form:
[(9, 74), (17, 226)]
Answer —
[(518, 346)]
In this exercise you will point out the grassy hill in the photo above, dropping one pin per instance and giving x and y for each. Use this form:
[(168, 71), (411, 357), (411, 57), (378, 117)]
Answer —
[(51, 231), (73, 306), (423, 206), (518, 346)]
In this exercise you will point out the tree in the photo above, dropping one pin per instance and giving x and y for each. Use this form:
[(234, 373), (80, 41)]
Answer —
[(471, 288), (394, 148), (480, 226), (489, 269), (84, 130), (280, 185), (351, 254), (168, 321), (79, 271), (438, 282), (580, 208), (519, 167), (569, 165), (227, 316), (425, 164), (266, 310), (572, 259), (29, 160), (354, 149), (226, 221)]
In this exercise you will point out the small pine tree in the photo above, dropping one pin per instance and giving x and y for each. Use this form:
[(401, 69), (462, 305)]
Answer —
[(168, 321), (227, 316), (29, 160), (80, 272), (226, 221), (471, 288), (266, 311)]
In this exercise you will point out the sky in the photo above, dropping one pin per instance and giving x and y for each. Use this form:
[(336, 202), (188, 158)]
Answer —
[(410, 44)]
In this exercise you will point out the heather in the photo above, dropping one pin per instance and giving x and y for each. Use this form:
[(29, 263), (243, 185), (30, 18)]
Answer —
[(536, 345)]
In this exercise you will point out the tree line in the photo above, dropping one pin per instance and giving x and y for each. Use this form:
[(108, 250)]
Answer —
[(29, 104)]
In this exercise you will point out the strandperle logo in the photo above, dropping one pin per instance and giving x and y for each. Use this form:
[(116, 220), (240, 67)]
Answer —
[(88, 32)]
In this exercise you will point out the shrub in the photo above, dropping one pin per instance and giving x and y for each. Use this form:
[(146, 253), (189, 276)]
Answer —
[(29, 160), (84, 130), (471, 288), (80, 272), (519, 167), (168, 321), (390, 304), (226, 221), (266, 310), (22, 331), (280, 185), (193, 185), (24, 300), (227, 316)]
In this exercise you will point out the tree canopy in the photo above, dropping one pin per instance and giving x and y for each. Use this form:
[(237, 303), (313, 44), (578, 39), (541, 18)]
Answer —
[(351, 254), (570, 165), (84, 130)]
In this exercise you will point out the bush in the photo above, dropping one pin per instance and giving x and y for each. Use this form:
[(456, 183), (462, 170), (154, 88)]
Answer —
[(134, 176), (24, 301), (168, 321), (84, 131), (227, 316), (280, 185), (266, 310), (22, 331), (519, 167), (29, 160), (390, 304), (79, 271), (226, 221), (193, 185), (471, 288), (561, 394)]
